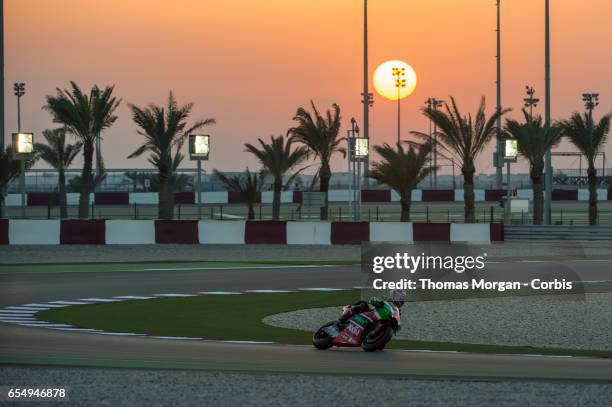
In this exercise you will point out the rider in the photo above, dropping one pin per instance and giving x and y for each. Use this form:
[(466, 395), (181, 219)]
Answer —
[(396, 297)]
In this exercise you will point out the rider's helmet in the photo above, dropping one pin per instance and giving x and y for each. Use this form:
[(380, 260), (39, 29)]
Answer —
[(398, 297)]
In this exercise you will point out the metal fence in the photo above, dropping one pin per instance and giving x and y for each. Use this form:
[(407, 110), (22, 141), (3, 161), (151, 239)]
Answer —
[(562, 214)]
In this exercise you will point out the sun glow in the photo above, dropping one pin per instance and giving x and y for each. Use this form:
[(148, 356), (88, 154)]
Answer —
[(386, 79)]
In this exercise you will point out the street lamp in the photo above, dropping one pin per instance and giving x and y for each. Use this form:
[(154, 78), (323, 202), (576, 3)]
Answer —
[(399, 73), (199, 149), (434, 104), (530, 101), (23, 145)]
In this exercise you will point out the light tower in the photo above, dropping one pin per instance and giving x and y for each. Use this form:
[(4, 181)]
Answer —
[(434, 104), (399, 73), (530, 100)]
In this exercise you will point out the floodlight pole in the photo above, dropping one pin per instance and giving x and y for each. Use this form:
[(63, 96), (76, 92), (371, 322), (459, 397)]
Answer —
[(19, 89), (199, 189), (530, 100), (400, 83), (398, 114), (499, 163), (1, 83), (358, 189), (2, 189), (548, 160), (367, 97), (349, 172), (508, 193), (591, 101), (434, 104)]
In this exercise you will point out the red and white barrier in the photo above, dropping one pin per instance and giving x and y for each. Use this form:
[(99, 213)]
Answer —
[(130, 232), (470, 233), (33, 231), (309, 233), (75, 231), (221, 232), (396, 232), (336, 195)]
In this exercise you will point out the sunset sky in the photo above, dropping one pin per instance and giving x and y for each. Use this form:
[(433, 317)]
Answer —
[(251, 64)]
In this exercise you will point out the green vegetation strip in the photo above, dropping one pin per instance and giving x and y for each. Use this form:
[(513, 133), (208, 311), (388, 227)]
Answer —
[(106, 267), (151, 266), (292, 368), (238, 317)]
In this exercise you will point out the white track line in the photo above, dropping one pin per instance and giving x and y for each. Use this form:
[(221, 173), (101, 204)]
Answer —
[(69, 302), (16, 320), (219, 292), (268, 291), (32, 325), (46, 305), (100, 299), (75, 329), (322, 289), (133, 297), (22, 308), (175, 295), (183, 338), (237, 268)]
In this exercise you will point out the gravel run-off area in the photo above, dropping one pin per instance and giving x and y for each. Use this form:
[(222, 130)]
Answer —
[(134, 387), (565, 321)]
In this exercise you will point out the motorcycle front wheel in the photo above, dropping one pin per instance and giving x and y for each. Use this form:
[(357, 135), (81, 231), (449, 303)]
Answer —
[(321, 340), (377, 338)]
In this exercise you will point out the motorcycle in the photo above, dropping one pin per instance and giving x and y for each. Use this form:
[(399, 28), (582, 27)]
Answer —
[(366, 329)]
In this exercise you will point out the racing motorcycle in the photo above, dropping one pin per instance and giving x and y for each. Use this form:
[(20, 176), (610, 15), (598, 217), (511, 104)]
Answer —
[(371, 330)]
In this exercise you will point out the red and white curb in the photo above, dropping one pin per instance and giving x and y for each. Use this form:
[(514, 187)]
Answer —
[(25, 315)]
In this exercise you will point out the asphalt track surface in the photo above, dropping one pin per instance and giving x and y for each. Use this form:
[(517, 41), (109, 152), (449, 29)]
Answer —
[(24, 342)]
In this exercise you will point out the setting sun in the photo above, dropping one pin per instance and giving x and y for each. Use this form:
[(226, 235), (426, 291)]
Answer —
[(385, 79)]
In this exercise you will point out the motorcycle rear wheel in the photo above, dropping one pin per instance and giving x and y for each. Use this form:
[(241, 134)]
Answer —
[(321, 340), (377, 339)]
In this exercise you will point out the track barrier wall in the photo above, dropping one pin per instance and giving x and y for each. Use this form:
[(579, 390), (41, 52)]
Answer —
[(176, 232), (4, 231), (75, 231), (339, 195), (130, 232)]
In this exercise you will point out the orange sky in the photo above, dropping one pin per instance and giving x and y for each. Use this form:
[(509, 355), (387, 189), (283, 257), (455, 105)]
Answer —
[(250, 64)]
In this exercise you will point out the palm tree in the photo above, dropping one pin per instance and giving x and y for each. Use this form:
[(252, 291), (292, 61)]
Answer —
[(534, 138), (402, 170), (464, 138), (245, 185), (321, 135), (589, 139), (165, 129), (10, 169), (85, 116), (58, 155), (277, 158)]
